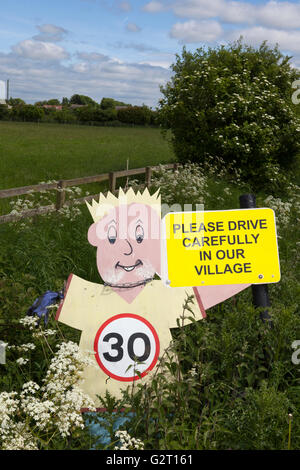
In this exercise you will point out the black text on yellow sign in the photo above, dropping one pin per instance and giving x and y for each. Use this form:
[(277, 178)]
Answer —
[(220, 247)]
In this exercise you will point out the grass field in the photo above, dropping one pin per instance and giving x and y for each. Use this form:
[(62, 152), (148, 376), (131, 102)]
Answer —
[(32, 152)]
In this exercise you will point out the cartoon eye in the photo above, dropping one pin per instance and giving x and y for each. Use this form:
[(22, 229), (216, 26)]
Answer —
[(112, 234), (139, 234)]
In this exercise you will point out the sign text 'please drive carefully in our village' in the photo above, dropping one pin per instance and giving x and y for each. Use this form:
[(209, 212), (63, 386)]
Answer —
[(220, 247)]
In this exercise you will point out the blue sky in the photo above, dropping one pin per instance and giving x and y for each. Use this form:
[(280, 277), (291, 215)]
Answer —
[(124, 48)]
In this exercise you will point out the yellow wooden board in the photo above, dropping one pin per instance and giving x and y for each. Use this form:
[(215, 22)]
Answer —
[(220, 247)]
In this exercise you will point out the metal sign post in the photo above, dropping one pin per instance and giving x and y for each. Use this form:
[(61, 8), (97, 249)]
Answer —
[(260, 293)]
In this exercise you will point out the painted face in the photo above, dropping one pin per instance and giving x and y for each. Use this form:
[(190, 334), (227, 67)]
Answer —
[(128, 247)]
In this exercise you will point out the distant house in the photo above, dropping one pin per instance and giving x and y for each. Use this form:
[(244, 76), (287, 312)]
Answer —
[(52, 106)]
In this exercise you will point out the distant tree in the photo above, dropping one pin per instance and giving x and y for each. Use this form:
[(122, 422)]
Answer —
[(107, 103), (85, 114), (53, 102), (82, 100), (76, 99), (121, 103), (233, 103), (64, 116), (95, 113), (4, 112), (100, 114), (104, 115), (138, 115), (16, 102), (154, 120), (65, 101), (30, 113)]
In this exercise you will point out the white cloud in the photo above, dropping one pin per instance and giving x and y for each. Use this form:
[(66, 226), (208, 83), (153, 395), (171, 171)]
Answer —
[(124, 6), (140, 47), (238, 12), (37, 50), (80, 67), (198, 9), (280, 15), (92, 56), (227, 11), (154, 7), (133, 28), (196, 31), (91, 74), (158, 63), (50, 33), (287, 40), (274, 14)]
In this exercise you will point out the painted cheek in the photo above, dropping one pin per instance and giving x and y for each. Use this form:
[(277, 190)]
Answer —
[(149, 250), (106, 256)]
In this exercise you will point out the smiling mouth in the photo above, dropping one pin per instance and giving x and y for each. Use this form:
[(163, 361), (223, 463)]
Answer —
[(129, 268)]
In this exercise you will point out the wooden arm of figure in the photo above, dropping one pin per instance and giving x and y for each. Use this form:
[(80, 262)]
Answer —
[(208, 296)]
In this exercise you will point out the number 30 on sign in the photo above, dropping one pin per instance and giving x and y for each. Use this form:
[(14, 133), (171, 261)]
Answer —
[(125, 344)]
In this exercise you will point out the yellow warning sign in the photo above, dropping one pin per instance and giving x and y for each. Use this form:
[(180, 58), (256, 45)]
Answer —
[(220, 247)]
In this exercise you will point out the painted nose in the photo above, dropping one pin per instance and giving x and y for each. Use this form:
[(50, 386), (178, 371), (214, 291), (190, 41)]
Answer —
[(130, 248)]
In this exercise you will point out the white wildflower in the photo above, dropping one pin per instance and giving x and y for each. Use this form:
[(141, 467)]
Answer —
[(22, 361), (31, 322), (20, 438), (127, 442), (23, 347)]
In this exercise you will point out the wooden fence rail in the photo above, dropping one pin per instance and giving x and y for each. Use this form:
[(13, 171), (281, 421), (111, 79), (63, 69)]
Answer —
[(61, 193)]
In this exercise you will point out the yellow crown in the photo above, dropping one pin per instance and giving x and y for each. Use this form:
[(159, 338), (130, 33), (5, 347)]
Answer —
[(99, 209)]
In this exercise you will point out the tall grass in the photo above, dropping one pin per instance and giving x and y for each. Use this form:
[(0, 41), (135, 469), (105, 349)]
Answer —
[(32, 152)]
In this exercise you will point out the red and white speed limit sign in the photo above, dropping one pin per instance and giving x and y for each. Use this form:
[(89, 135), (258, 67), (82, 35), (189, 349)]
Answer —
[(126, 340)]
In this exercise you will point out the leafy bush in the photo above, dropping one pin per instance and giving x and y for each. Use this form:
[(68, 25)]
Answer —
[(44, 411), (233, 103), (82, 100), (110, 103), (90, 113), (85, 114), (64, 116), (138, 115), (104, 115), (16, 102), (4, 112), (27, 112), (259, 420)]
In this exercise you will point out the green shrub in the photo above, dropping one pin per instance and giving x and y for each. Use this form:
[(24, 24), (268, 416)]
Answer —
[(27, 112), (4, 112), (233, 103), (138, 115)]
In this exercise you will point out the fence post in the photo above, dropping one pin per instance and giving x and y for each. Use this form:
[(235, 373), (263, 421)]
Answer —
[(112, 182), (61, 195), (148, 176), (260, 292)]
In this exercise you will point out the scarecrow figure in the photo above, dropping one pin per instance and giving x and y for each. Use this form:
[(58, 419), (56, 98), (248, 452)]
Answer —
[(126, 320)]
